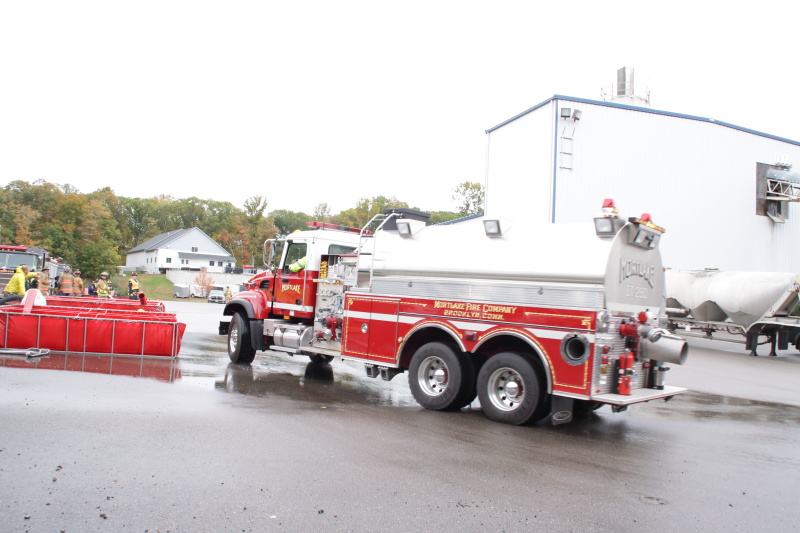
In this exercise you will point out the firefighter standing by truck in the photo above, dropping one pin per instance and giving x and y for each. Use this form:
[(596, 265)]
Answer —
[(133, 287), (102, 287), (77, 284), (15, 289), (44, 283), (65, 282)]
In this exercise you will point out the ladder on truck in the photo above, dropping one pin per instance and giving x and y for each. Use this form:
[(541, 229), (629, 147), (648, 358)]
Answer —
[(364, 276)]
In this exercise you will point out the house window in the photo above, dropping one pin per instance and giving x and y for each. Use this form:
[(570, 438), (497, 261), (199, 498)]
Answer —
[(219, 263), (194, 248), (211, 263), (169, 260)]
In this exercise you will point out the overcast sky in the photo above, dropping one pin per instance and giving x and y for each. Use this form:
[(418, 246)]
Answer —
[(323, 101)]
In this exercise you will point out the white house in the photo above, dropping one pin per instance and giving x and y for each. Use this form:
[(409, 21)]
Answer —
[(724, 193), (184, 249)]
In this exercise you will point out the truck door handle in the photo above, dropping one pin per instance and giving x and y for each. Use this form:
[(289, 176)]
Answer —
[(285, 280)]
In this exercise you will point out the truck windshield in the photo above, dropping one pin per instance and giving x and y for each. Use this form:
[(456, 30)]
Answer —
[(296, 251), (10, 261)]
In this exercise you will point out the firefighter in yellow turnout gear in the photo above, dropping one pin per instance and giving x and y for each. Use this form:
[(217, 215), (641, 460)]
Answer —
[(133, 287), (298, 265), (102, 286), (15, 289)]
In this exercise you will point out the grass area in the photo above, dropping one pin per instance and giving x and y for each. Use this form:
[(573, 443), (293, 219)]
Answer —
[(155, 286)]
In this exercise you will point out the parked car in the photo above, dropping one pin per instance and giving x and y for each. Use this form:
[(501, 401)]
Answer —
[(217, 295)]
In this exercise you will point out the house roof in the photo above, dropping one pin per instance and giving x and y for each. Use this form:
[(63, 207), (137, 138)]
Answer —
[(163, 240), (643, 110), (159, 241)]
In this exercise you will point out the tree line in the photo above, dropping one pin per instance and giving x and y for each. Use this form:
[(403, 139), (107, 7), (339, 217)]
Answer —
[(94, 231)]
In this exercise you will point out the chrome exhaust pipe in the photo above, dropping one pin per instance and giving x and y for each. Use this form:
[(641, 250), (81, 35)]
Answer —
[(660, 345)]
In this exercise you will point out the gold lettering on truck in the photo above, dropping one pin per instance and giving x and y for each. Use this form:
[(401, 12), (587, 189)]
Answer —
[(473, 310)]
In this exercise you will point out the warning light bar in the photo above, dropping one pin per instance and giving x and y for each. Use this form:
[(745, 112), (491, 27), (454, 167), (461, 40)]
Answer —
[(12, 248), (646, 235), (646, 220), (326, 225)]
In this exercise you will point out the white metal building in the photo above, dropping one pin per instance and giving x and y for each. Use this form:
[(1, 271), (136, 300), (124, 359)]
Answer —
[(184, 249), (698, 177)]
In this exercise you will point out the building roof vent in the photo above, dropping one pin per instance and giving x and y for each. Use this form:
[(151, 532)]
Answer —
[(624, 82), (623, 92)]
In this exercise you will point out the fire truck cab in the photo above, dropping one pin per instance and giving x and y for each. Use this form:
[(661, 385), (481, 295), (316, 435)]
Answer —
[(536, 321)]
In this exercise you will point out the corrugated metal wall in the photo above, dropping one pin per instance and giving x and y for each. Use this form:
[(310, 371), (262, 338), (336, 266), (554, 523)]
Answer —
[(519, 167), (697, 179)]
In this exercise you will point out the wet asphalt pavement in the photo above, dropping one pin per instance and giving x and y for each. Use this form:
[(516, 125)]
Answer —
[(198, 444)]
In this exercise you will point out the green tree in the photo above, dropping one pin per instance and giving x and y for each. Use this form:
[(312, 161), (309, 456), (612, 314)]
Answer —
[(365, 209), (322, 213), (257, 229), (138, 221), (164, 213), (437, 217), (220, 217), (470, 195), (96, 257), (288, 221)]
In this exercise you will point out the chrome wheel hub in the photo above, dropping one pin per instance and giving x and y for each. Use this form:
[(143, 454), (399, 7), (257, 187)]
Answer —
[(233, 339), (433, 376), (506, 389)]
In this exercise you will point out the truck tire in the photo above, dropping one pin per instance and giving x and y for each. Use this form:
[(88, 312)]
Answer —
[(510, 389), (240, 346), (440, 378)]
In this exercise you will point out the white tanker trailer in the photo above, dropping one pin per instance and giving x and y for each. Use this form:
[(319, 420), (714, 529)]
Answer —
[(755, 305)]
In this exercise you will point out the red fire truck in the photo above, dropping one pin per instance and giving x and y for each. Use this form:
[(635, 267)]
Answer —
[(12, 256), (537, 321)]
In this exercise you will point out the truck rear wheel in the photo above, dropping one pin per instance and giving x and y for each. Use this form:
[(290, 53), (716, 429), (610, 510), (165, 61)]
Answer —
[(510, 389), (240, 346), (441, 378)]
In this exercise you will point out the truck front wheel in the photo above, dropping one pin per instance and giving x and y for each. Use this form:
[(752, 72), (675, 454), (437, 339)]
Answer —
[(240, 346), (440, 378), (509, 389)]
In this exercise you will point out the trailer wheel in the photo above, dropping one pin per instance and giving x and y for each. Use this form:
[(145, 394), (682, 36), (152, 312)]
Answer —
[(441, 378), (240, 346), (510, 390), (320, 359)]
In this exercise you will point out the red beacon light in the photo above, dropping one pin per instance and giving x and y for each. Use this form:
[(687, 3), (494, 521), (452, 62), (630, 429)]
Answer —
[(609, 209)]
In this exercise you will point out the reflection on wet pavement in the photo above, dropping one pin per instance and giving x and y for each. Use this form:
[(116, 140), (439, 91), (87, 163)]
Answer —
[(204, 361), (160, 368), (312, 382)]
